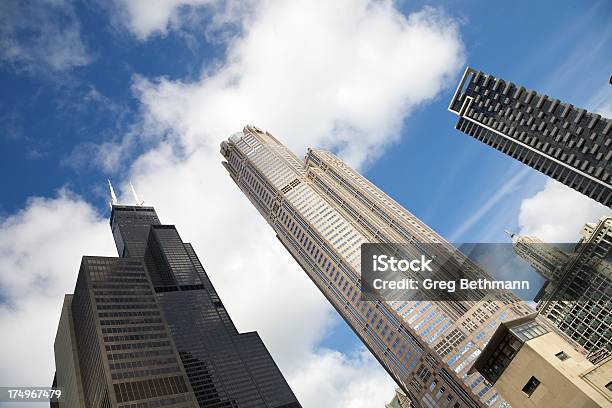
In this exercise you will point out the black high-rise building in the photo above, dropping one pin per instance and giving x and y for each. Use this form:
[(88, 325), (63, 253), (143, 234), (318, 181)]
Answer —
[(569, 144), (148, 329)]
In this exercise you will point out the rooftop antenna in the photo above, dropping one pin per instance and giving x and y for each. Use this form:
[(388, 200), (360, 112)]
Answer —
[(138, 202), (112, 193)]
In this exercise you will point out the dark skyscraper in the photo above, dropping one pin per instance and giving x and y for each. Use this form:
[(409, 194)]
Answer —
[(148, 330), (566, 143)]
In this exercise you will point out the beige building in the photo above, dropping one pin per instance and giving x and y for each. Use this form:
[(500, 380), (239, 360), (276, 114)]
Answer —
[(322, 210), (400, 400), (533, 365), (546, 259)]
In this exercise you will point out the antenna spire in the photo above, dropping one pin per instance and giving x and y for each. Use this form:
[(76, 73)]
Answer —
[(112, 193), (138, 202), (512, 235)]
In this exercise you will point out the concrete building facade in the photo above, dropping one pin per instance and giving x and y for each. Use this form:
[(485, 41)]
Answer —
[(534, 365), (400, 400), (546, 259), (322, 211)]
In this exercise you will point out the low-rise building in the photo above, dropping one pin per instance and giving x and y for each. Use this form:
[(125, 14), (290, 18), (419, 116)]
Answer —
[(532, 364)]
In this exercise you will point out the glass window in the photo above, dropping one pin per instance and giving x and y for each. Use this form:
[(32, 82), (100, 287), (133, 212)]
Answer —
[(531, 386)]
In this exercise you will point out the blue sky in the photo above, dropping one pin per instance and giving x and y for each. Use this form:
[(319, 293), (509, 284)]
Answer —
[(563, 50), (543, 47), (54, 116)]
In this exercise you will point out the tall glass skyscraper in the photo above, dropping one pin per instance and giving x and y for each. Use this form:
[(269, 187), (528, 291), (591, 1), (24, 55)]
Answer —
[(322, 212), (569, 144), (577, 300), (148, 329)]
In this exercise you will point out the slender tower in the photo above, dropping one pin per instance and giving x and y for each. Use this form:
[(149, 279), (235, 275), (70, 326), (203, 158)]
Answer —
[(322, 211), (566, 143), (546, 259), (148, 329)]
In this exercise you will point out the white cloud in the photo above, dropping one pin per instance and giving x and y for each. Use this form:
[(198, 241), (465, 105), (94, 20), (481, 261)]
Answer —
[(110, 157), (145, 18), (601, 101), (42, 36), (329, 378), (40, 253), (342, 75), (337, 74), (557, 213)]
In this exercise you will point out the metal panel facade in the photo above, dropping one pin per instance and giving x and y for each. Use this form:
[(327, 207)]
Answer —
[(569, 144)]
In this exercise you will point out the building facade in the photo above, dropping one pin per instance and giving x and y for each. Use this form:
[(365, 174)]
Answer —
[(148, 329), (547, 259), (577, 300), (569, 144), (68, 371), (400, 400), (322, 211), (534, 365)]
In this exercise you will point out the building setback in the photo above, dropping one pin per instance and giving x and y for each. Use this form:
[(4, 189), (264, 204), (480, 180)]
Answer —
[(569, 144), (322, 211), (148, 329)]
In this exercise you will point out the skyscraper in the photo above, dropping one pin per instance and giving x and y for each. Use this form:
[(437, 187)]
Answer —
[(566, 143), (148, 329), (546, 259), (577, 300), (322, 211)]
